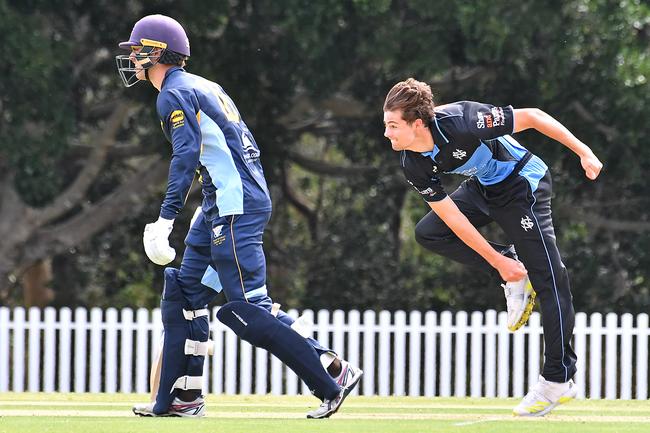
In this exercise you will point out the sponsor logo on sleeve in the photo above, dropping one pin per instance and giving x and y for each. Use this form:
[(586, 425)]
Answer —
[(480, 121), (499, 119), (492, 119), (177, 119)]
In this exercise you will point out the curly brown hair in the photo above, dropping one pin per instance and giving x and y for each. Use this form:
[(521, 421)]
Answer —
[(413, 98)]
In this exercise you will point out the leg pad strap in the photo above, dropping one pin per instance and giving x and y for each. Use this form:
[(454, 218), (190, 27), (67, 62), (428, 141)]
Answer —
[(199, 348)]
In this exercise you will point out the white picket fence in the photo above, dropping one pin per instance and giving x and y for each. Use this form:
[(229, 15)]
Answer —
[(416, 354)]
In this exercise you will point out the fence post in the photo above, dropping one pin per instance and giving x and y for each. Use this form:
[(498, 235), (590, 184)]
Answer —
[(142, 351), (80, 352), (415, 337), (534, 348), (519, 364), (595, 355), (309, 316), (476, 354), (490, 353), (19, 350), (626, 357), (445, 354), (338, 333), (368, 352), (95, 349), (354, 346), (504, 356), (460, 382), (49, 351), (383, 367), (642, 356), (4, 349), (110, 372), (580, 337), (399, 353), (34, 354), (65, 348), (611, 360), (126, 351), (430, 349)]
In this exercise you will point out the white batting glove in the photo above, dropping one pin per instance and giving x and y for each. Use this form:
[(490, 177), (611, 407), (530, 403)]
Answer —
[(156, 241)]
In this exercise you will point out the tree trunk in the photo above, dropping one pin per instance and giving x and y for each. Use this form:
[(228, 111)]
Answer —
[(35, 281)]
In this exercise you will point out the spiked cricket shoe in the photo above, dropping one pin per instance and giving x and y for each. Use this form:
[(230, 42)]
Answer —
[(188, 409), (545, 396), (520, 299), (347, 380)]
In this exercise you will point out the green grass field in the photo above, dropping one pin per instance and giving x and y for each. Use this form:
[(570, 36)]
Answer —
[(98, 413)]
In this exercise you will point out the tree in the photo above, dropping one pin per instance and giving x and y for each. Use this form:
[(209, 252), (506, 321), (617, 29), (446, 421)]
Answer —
[(310, 78)]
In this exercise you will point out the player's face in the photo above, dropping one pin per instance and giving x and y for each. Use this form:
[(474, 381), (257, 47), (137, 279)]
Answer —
[(138, 63), (401, 134)]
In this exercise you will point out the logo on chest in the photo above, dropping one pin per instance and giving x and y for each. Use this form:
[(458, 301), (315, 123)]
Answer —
[(217, 236), (459, 154), (526, 223)]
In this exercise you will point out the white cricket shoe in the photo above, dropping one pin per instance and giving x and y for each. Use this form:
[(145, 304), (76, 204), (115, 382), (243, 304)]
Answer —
[(544, 396), (520, 300), (145, 409), (347, 380), (188, 409)]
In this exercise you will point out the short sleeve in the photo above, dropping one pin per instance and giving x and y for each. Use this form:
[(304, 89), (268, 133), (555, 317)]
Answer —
[(486, 122), (421, 173)]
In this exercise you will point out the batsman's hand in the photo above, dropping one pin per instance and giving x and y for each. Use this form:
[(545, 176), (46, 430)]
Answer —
[(156, 241)]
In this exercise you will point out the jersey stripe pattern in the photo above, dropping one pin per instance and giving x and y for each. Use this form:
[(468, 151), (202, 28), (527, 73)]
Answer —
[(209, 137), (470, 139)]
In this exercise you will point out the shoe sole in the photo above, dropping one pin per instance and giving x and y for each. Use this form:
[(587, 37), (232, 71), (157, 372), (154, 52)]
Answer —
[(346, 392), (149, 414), (527, 312), (187, 415)]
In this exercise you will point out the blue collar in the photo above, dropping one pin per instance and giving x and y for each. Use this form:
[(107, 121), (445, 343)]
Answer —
[(432, 154), (169, 72)]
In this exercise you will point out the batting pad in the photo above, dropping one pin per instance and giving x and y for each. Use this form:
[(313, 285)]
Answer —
[(185, 331), (261, 329)]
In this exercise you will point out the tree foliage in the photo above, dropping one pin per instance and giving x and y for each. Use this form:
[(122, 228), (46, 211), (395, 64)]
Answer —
[(84, 164)]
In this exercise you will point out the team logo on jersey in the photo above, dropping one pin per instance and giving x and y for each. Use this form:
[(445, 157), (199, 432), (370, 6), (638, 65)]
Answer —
[(217, 237), (251, 153), (459, 154), (526, 223), (177, 119)]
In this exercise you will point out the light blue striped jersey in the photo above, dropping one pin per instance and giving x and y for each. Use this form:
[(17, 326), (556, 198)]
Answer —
[(470, 139), (208, 136)]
